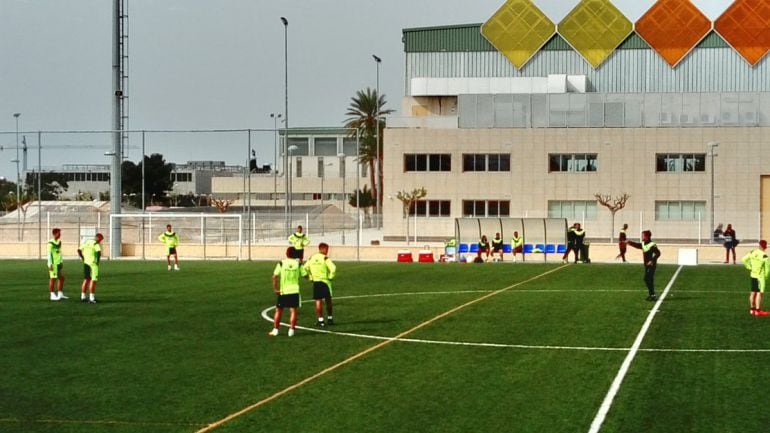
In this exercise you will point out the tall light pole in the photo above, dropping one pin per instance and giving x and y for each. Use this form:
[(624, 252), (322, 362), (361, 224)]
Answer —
[(377, 165), (291, 149), (18, 178), (323, 178), (275, 118), (712, 145), (343, 171), (287, 208)]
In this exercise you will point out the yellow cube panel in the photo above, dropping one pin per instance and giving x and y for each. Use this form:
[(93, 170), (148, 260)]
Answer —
[(673, 28), (595, 28), (745, 25), (518, 30)]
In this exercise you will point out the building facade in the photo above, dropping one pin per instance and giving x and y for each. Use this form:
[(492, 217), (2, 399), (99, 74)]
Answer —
[(487, 135)]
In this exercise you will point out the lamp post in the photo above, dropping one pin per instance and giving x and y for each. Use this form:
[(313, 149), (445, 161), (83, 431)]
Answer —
[(378, 168), (18, 178), (275, 118), (712, 145), (291, 149), (323, 177), (287, 209)]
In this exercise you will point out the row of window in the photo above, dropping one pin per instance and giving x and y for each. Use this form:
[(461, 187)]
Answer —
[(563, 162), (569, 209), (181, 177), (86, 177)]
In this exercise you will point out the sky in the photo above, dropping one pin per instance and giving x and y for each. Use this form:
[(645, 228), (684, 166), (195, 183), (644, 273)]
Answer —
[(204, 64)]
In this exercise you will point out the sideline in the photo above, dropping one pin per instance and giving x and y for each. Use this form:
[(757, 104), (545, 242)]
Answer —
[(601, 415), (365, 352)]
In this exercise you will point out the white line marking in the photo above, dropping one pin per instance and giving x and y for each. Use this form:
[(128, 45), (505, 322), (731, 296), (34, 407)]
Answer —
[(596, 425)]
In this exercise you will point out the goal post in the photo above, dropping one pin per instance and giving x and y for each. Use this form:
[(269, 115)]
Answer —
[(201, 235)]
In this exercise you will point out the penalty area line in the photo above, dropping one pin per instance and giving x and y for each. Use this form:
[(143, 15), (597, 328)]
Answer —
[(365, 352), (601, 415)]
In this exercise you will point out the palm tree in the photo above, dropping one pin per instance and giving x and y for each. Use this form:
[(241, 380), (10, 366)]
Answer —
[(363, 111)]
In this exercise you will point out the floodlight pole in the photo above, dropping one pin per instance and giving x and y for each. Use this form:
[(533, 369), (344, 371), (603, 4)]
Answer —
[(18, 180), (378, 164), (287, 204), (712, 146)]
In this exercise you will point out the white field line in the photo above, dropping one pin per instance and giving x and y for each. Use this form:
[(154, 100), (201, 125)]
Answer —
[(601, 415), (358, 355)]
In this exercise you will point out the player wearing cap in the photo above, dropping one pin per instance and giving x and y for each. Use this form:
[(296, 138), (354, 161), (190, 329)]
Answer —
[(286, 287), (91, 253), (758, 263), (651, 253)]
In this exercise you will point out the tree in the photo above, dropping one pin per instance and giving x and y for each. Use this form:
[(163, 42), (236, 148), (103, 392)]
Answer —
[(7, 195), (157, 178), (614, 205), (408, 200), (363, 111), (221, 204), (52, 185), (363, 199)]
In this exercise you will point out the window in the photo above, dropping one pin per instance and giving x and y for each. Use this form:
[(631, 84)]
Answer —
[(679, 162), (572, 162), (325, 146), (427, 162), (679, 210), (572, 209), (487, 162), (486, 208), (302, 146), (298, 168), (430, 208), (181, 177)]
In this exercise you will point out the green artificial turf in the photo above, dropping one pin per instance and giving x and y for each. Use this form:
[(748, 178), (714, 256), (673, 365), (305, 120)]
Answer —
[(175, 351)]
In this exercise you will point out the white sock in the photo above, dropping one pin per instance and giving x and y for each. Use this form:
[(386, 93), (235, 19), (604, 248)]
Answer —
[(92, 297), (82, 295)]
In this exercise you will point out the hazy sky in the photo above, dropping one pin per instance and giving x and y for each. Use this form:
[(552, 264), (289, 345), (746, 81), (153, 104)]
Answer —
[(205, 64)]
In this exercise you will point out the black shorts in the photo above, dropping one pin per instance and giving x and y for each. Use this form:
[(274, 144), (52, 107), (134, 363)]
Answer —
[(321, 290), (497, 248), (755, 285), (171, 251), (299, 254), (287, 301)]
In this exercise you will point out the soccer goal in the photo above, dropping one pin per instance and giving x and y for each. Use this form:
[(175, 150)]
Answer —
[(201, 235)]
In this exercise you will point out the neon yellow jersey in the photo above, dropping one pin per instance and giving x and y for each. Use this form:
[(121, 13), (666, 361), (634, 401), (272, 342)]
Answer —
[(299, 241), (289, 270), (517, 242), (758, 263), (321, 268), (54, 252), (170, 239), (90, 250)]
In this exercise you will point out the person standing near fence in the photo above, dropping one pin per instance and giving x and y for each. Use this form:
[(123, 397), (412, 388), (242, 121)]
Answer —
[(298, 241), (91, 253), (286, 287), (55, 265), (730, 242), (622, 247), (571, 239), (758, 264), (321, 270), (651, 253), (517, 245), (171, 240)]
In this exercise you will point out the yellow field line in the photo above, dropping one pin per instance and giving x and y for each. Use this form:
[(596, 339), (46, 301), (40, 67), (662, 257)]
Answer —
[(323, 372)]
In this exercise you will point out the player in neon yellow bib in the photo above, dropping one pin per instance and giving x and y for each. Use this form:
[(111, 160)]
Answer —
[(91, 253), (286, 287), (55, 265), (322, 270), (171, 240)]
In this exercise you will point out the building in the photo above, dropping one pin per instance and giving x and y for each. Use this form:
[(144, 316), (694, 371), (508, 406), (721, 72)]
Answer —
[(538, 127)]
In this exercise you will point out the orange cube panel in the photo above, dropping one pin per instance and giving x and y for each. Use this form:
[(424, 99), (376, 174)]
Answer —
[(745, 25), (673, 28)]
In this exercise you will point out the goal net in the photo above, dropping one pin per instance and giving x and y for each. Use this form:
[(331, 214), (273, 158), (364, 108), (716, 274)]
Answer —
[(201, 236)]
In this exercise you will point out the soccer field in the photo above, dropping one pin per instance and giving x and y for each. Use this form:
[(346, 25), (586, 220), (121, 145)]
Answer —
[(415, 348)]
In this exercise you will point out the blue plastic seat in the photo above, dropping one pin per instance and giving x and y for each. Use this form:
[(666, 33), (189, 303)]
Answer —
[(463, 248), (528, 248), (474, 248), (550, 249), (561, 249), (539, 248), (507, 248)]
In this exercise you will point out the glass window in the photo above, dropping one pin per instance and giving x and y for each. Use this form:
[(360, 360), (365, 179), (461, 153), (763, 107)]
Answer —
[(349, 146), (326, 146), (302, 145), (421, 162), (410, 162)]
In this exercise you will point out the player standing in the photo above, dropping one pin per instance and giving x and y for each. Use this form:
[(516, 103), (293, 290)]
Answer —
[(171, 240), (55, 265), (299, 240), (286, 287), (758, 263), (91, 253), (651, 253), (321, 271)]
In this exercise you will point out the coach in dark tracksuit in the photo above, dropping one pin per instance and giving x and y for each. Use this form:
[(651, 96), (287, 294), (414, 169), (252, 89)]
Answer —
[(570, 245), (651, 254)]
